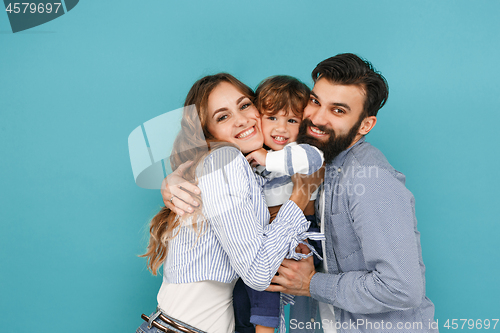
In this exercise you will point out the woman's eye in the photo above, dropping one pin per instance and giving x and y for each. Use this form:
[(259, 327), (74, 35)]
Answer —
[(221, 118), (244, 106)]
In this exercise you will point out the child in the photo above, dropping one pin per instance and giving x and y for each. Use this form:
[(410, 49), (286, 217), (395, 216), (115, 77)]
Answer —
[(280, 101)]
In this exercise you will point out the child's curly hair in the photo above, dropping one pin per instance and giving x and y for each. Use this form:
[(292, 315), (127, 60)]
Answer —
[(282, 92)]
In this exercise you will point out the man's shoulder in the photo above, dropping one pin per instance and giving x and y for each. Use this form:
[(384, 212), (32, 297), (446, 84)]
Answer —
[(366, 155)]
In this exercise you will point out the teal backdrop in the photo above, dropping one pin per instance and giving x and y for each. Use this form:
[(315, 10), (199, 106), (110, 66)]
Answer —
[(73, 222)]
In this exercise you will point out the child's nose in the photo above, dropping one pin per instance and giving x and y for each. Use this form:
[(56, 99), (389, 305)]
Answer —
[(281, 127)]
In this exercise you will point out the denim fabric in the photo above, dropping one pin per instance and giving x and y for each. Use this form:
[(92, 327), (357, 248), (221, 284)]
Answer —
[(144, 328), (241, 306), (253, 307)]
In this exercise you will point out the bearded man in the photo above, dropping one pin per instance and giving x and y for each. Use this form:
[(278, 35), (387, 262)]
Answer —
[(373, 276)]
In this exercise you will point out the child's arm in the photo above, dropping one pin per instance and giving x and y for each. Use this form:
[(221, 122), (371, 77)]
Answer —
[(257, 157), (303, 159)]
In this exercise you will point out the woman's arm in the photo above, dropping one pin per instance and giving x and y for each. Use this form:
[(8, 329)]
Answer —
[(237, 213), (303, 158)]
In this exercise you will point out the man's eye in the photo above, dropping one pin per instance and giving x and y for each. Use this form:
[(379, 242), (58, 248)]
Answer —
[(221, 118), (338, 110), (314, 100)]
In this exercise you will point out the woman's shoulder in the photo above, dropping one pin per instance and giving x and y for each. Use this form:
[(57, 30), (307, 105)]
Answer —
[(223, 156)]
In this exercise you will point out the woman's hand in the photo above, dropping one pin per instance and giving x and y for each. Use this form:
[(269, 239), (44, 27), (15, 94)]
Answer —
[(176, 191), (304, 186)]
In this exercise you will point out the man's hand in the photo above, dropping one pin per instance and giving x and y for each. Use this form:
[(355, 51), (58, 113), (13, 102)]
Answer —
[(176, 191), (294, 276), (257, 157)]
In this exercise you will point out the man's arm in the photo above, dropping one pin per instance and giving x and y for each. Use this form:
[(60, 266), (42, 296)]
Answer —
[(384, 221), (176, 191)]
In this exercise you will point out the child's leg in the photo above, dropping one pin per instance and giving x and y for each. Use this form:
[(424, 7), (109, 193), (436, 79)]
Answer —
[(264, 309), (241, 306), (264, 329)]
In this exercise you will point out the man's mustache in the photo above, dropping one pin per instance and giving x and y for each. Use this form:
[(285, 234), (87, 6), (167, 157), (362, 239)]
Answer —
[(307, 122)]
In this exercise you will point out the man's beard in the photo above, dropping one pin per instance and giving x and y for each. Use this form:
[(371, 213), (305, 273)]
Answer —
[(331, 147)]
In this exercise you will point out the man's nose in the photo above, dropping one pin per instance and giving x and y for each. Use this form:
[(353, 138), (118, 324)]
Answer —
[(318, 116)]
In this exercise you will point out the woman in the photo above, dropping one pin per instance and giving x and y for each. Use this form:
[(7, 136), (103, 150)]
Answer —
[(228, 236)]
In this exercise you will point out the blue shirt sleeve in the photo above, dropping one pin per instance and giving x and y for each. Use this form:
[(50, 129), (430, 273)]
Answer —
[(383, 218)]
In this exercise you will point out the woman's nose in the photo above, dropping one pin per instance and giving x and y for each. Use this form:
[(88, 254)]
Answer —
[(241, 119)]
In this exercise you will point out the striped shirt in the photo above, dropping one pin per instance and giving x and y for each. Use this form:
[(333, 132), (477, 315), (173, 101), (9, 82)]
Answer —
[(236, 239), (280, 165)]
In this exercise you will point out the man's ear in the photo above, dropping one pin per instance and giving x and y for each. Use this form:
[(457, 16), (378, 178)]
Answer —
[(367, 124)]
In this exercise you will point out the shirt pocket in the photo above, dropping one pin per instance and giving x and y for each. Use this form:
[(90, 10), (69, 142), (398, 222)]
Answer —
[(345, 240)]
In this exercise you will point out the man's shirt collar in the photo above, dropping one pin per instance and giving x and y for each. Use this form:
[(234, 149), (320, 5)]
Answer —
[(339, 160)]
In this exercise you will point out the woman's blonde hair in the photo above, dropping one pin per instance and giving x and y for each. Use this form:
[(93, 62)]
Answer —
[(193, 143)]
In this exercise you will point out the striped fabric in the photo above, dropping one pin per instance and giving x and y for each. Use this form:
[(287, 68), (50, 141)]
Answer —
[(237, 239)]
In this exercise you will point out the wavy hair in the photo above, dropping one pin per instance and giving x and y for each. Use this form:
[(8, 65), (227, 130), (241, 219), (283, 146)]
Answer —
[(193, 143)]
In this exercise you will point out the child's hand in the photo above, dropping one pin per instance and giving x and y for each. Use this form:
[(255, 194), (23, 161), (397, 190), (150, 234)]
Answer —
[(257, 157)]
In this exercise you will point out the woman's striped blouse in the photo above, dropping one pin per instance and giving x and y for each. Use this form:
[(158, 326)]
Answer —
[(237, 239)]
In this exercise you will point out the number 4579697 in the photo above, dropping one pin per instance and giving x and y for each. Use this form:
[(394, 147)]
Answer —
[(471, 324), (17, 7)]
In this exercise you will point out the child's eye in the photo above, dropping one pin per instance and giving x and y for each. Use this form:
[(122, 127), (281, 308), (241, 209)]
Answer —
[(293, 121), (271, 118), (221, 118)]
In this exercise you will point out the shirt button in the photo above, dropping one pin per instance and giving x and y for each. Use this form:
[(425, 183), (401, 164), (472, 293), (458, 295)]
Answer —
[(339, 170), (312, 320)]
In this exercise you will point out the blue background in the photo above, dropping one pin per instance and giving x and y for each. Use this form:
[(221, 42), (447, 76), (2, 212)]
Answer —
[(71, 91)]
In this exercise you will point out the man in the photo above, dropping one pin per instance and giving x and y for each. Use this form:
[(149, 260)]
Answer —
[(372, 278), (373, 275)]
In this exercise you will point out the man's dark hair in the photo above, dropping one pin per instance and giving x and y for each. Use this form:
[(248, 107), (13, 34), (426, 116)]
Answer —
[(349, 69)]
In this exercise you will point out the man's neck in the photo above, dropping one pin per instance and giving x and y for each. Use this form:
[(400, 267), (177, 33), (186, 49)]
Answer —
[(356, 139)]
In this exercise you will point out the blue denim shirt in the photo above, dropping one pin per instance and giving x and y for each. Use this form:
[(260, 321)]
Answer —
[(376, 276)]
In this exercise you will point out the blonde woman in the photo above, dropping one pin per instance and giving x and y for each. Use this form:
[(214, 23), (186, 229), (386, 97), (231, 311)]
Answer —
[(229, 235)]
